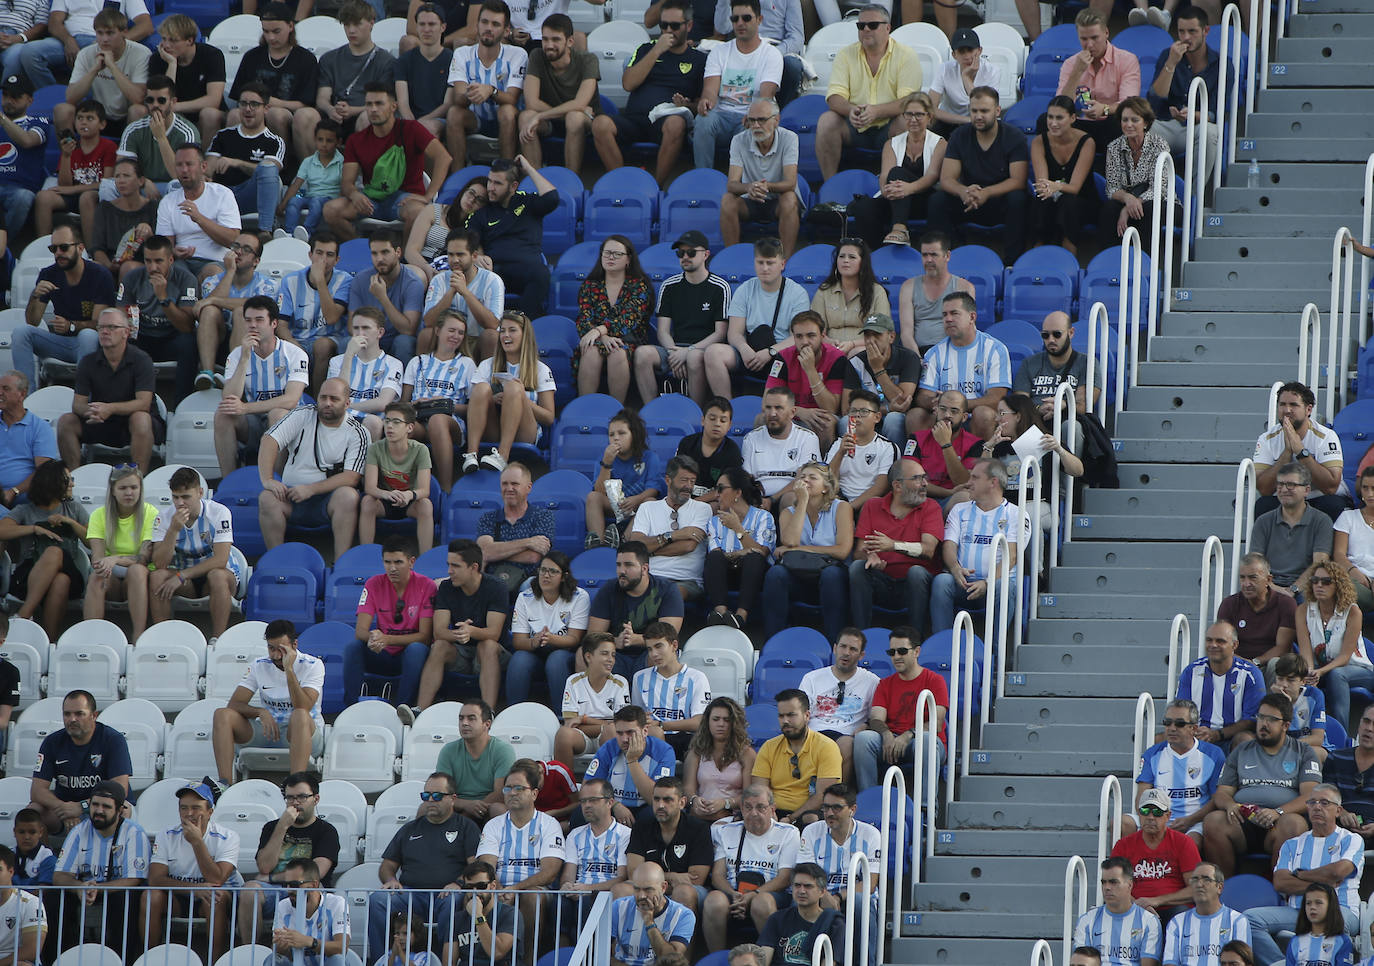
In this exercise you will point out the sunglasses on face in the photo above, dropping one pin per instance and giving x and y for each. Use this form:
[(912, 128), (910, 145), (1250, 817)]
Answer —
[(1051, 335), (672, 25), (1322, 581), (1175, 722), (433, 796), (157, 100), (54, 249), (741, 17), (871, 24), (1154, 811), (894, 651)]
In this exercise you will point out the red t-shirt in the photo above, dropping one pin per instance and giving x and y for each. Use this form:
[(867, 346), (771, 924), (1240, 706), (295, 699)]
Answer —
[(558, 789), (90, 168), (923, 449), (787, 371), (1160, 871), (898, 697), (364, 148), (876, 517)]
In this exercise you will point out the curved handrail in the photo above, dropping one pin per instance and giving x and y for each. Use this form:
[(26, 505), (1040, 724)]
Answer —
[(1310, 353), (1230, 96), (1196, 138), (1109, 807), (924, 783), (1128, 309), (1364, 237), (1066, 403), (1099, 345), (822, 954), (995, 619), (1342, 285), (1028, 492), (1042, 954), (858, 866), (1212, 555), (1272, 414), (1144, 735), (895, 777), (1180, 652), (1256, 28), (960, 701), (1243, 516), (1161, 247), (1075, 883), (1262, 28)]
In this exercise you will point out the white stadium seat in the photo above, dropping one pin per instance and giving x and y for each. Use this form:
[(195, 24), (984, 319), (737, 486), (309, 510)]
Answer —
[(530, 728), (167, 665), (343, 806), (169, 954), (354, 885), (90, 483), (89, 954), (156, 490), (16, 792), (292, 249), (157, 806), (254, 955), (996, 34), (37, 721), (387, 34), (226, 664), (191, 432), (720, 638), (94, 667), (145, 730), (235, 36), (189, 751), (394, 807), (724, 669), (50, 402), (10, 319), (363, 746), (613, 43), (28, 649), (319, 35), (436, 726), (824, 45), (931, 47)]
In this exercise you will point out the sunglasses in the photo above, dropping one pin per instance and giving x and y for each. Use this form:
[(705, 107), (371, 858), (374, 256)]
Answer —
[(1322, 581), (157, 100), (1175, 722), (54, 249), (1154, 811), (1051, 335), (687, 252), (894, 651), (433, 796), (672, 25), (871, 24), (741, 17), (400, 611), (796, 767)]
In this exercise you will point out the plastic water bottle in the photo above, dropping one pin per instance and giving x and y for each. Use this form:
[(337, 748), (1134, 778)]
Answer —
[(1252, 174)]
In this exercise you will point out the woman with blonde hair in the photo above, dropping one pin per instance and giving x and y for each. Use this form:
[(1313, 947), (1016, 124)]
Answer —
[(511, 399), (815, 536), (1329, 624), (120, 535), (908, 174), (719, 763)]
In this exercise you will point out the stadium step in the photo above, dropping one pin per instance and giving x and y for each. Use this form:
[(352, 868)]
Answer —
[(1260, 224), (1195, 349), (1038, 710), (1120, 606), (993, 950), (1026, 870), (1226, 451), (1304, 277), (965, 896), (1356, 20), (1103, 659), (1059, 632), (1058, 739), (1121, 684), (1027, 790), (1162, 476), (1109, 581), (1216, 374), (1071, 762), (1190, 425), (1293, 102), (1285, 199), (1296, 147), (1239, 325), (1310, 251), (1213, 298), (1199, 399), (984, 842)]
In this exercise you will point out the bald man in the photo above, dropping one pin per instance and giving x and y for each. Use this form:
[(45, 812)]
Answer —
[(1227, 689), (648, 925), (1040, 376)]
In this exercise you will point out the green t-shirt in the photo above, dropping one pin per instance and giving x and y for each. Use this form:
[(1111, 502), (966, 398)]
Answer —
[(476, 778), (393, 475), (126, 542)]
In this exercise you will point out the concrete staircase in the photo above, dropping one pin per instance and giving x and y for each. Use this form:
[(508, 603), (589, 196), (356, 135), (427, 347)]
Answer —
[(1101, 637)]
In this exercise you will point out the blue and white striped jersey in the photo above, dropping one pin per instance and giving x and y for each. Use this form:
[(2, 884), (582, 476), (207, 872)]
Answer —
[(1123, 940), (93, 857), (506, 72), (486, 286), (516, 851), (196, 543), (1309, 851), (268, 376), (674, 698), (299, 303), (974, 530), (1195, 940), (819, 846), (629, 938), (1309, 712), (259, 284), (1222, 699), (1188, 779), (758, 523), (433, 378), (598, 857), (368, 378), (330, 919), (1310, 950), (973, 369)]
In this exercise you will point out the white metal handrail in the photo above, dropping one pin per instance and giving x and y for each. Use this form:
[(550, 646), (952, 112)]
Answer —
[(1229, 97), (1196, 144), (1364, 237), (862, 891), (1042, 954), (995, 619), (895, 778), (1108, 822), (1209, 597), (1342, 286), (1075, 884), (1065, 403), (1310, 353), (1161, 247), (1099, 345), (1028, 493), (1272, 415), (1144, 735), (960, 702), (924, 783), (823, 954), (1128, 307), (1242, 517), (1180, 652)]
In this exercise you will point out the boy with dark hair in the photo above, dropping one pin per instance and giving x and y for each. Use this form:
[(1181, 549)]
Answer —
[(86, 159), (396, 481), (346, 72), (712, 449), (317, 180)]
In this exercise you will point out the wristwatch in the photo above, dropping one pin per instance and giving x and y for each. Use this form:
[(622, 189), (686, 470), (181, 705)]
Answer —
[(480, 920), (1302, 454)]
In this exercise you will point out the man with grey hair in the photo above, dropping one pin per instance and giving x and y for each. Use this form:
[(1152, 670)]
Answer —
[(752, 870), (739, 72), (895, 548), (29, 440), (969, 554), (1327, 854), (1227, 689), (747, 954), (1195, 936), (1296, 534), (1183, 768), (1264, 620), (763, 177)]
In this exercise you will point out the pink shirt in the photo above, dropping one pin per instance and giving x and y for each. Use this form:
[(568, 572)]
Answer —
[(379, 600), (1117, 79)]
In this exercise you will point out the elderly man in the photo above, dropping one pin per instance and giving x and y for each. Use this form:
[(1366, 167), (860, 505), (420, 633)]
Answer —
[(1041, 375), (969, 360), (1262, 617), (983, 176), (1099, 78), (649, 925), (525, 532), (739, 72), (29, 441), (762, 177), (1195, 936), (77, 290), (1162, 857), (674, 529), (971, 560), (1119, 929), (73, 762), (1183, 768), (798, 764), (1261, 797), (868, 85), (1295, 534), (1298, 438), (758, 853), (320, 480), (1328, 854), (113, 404), (896, 543), (1226, 688), (892, 726)]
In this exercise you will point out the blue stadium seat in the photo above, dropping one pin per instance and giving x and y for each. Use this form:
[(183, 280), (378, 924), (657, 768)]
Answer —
[(556, 957), (809, 266), (936, 654), (894, 264), (841, 188), (734, 263), (660, 262), (692, 201), (772, 678), (761, 718), (1101, 282), (286, 583), (1250, 892), (1024, 114), (239, 492), (1354, 424), (875, 657), (344, 584), (562, 228), (564, 492), (1335, 733), (433, 563), (983, 268), (354, 256), (555, 330), (206, 13), (721, 958), (579, 436), (870, 809), (568, 276), (1046, 58), (669, 419), (1042, 281), (1080, 342), (472, 495), (594, 568), (801, 116), (557, 339), (798, 643), (744, 410), (455, 182), (623, 202), (327, 641), (1147, 43), (1015, 333)]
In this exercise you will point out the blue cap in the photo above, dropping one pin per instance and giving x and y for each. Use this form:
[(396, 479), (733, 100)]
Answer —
[(202, 789)]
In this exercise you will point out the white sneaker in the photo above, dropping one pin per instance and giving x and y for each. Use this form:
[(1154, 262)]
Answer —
[(1158, 18), (279, 233), (1136, 17), (406, 713), (301, 234), (469, 463), (494, 461)]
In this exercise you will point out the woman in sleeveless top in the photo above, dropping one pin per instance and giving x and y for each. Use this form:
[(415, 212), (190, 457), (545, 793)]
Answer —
[(428, 235), (720, 762), (910, 168), (1329, 624), (821, 525), (1062, 169)]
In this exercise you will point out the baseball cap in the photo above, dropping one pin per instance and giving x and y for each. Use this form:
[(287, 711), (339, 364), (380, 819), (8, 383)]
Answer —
[(1156, 798), (692, 239), (201, 788), (964, 39), (110, 789), (16, 84), (877, 322)]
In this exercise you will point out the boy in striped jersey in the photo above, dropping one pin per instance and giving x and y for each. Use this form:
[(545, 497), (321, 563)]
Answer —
[(191, 543), (313, 302), (1196, 937), (1123, 932), (374, 378), (265, 378), (23, 921), (222, 300), (466, 289), (594, 855), (674, 695), (971, 563)]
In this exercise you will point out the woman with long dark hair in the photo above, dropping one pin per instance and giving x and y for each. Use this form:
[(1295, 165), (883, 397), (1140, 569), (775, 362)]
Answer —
[(1062, 198), (719, 763), (429, 234), (548, 623), (613, 309), (850, 294), (45, 538)]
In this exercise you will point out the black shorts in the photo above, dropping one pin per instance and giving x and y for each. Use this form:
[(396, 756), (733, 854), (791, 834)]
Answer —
[(114, 431), (19, 578), (391, 511), (635, 129), (1254, 837), (765, 210)]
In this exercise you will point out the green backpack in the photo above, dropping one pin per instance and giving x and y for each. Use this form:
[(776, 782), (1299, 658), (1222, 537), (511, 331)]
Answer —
[(388, 174)]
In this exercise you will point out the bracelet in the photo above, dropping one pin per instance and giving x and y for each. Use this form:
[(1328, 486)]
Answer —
[(946, 445)]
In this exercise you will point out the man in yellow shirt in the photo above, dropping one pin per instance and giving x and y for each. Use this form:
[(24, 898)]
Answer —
[(799, 764), (870, 80)]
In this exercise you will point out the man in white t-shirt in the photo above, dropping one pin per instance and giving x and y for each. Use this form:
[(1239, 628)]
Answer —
[(759, 851), (682, 556), (737, 72), (775, 451), (23, 921), (861, 457), (1298, 438), (196, 852), (290, 684), (192, 540), (201, 217), (832, 842), (841, 695)]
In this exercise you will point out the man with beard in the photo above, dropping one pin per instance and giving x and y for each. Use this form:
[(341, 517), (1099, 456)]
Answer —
[(775, 451), (762, 184), (486, 80), (107, 854), (163, 290), (627, 607), (678, 842), (674, 529), (298, 834), (1261, 797), (892, 726), (560, 94), (289, 683), (1040, 376), (78, 758), (896, 540), (1298, 438), (511, 227), (983, 177), (77, 290), (648, 924), (797, 761)]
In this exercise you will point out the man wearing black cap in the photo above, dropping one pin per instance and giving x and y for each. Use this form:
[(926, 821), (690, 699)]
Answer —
[(108, 854), (890, 371), (22, 172), (195, 853), (691, 315)]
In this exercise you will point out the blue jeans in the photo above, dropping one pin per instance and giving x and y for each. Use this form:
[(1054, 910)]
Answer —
[(16, 202), (525, 667), (41, 59), (710, 132), (911, 592), (1267, 921), (868, 749), (947, 598), (358, 661), (260, 194), (312, 207), (383, 904), (400, 345), (30, 343), (894, 428), (833, 597), (9, 57), (1336, 686)]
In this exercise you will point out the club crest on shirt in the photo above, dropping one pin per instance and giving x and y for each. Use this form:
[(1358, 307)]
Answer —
[(451, 836), (95, 760), (684, 68), (679, 850), (1194, 771), (1289, 767)]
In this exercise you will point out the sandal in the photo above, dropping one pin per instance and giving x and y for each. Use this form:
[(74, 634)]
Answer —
[(898, 236)]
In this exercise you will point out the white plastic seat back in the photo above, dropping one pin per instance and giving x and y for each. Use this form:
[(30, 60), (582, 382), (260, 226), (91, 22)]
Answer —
[(167, 665), (613, 43), (354, 885), (319, 35), (190, 753), (363, 746), (191, 432), (225, 666), (169, 954), (90, 483), (995, 34), (435, 727), (247, 817), (387, 34), (38, 721), (242, 634), (394, 807), (97, 630), (10, 319), (256, 791), (50, 402), (145, 730), (156, 811), (16, 792), (293, 249), (27, 648), (726, 639), (723, 669), (825, 44), (254, 955), (343, 806), (89, 954), (96, 668), (156, 488), (530, 728)]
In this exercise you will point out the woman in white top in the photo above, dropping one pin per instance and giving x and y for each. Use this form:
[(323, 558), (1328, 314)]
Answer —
[(958, 76), (436, 384), (909, 171), (512, 395), (1329, 624), (551, 615), (1352, 547)]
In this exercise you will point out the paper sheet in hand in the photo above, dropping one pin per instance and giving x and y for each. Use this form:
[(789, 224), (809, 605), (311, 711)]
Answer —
[(1027, 445)]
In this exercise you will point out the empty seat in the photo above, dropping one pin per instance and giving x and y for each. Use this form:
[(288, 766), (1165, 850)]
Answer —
[(564, 493), (724, 669), (28, 649), (1101, 282), (90, 483), (393, 808), (343, 806), (1042, 281), (327, 641), (435, 727), (562, 227), (227, 662), (145, 731), (692, 202), (286, 583), (36, 722), (16, 792), (982, 267), (723, 638), (191, 429), (473, 495), (623, 202), (744, 411), (363, 746), (50, 402), (594, 568), (246, 806), (238, 492), (89, 954), (613, 44), (556, 350), (90, 656), (190, 752), (734, 263), (930, 44), (156, 811), (669, 419), (568, 275), (355, 885), (169, 954), (1046, 58), (530, 728), (823, 47), (802, 645), (167, 665), (810, 266), (320, 35)]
